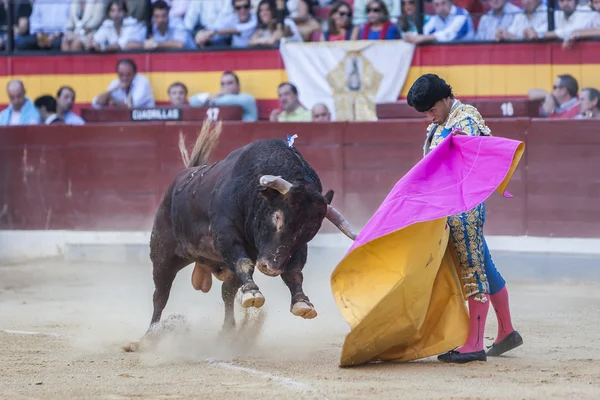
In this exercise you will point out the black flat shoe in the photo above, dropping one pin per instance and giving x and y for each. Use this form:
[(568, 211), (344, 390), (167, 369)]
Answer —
[(510, 342), (462, 358)]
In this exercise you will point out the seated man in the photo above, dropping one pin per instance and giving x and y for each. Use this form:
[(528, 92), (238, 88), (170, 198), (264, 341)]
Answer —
[(450, 24), (229, 96), (65, 98), (320, 113), (46, 106), (293, 111), (167, 33), (177, 94), (529, 24), (128, 91), (500, 16), (236, 27), (21, 110), (562, 102)]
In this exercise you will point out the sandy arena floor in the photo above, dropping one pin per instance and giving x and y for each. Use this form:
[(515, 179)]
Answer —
[(87, 311)]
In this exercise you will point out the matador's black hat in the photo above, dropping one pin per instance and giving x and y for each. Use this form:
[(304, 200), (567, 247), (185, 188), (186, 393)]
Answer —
[(426, 91)]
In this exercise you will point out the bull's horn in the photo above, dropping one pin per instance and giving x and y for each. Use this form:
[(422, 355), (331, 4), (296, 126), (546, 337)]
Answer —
[(275, 182), (340, 222)]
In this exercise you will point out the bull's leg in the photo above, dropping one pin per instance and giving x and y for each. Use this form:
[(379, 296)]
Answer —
[(228, 290), (293, 278), (164, 274), (235, 257), (251, 295)]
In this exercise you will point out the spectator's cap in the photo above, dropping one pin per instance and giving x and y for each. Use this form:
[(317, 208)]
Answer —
[(426, 91)]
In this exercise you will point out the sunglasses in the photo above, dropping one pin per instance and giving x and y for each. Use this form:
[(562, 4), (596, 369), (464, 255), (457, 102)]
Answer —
[(343, 14), (244, 7), (375, 10)]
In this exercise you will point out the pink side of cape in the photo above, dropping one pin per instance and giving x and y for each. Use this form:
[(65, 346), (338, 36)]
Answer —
[(456, 176)]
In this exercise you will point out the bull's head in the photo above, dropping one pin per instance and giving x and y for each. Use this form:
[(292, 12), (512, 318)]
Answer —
[(295, 214)]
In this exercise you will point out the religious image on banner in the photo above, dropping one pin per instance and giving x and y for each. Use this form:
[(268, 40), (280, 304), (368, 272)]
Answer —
[(354, 83), (350, 77)]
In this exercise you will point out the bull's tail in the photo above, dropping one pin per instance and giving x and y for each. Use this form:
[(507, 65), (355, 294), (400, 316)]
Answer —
[(205, 143)]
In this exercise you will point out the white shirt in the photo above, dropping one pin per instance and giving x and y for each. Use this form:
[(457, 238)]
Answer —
[(49, 16), (578, 20), (15, 118), (490, 22), (538, 21), (140, 93), (131, 31), (458, 25), (206, 13), (71, 118)]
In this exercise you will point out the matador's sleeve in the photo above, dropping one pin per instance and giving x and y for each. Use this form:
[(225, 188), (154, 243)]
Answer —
[(471, 123)]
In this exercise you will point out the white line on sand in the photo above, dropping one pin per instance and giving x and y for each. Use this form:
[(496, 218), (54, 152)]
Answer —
[(287, 382), (59, 335)]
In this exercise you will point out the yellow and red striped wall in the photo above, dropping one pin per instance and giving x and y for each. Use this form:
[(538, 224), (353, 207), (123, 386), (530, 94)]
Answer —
[(474, 70)]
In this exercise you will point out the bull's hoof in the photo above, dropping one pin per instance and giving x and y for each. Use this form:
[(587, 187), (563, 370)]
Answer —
[(301, 309), (253, 298)]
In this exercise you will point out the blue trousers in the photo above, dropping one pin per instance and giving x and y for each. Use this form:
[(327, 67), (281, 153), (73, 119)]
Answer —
[(478, 274)]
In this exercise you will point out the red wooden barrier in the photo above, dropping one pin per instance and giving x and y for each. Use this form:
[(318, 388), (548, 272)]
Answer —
[(112, 177)]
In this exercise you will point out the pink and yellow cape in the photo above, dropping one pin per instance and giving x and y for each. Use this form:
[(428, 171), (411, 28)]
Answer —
[(397, 286)]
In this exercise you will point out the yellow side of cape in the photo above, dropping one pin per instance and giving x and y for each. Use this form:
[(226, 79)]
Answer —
[(405, 302)]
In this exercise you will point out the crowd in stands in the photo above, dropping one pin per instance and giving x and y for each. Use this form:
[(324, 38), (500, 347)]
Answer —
[(131, 89), (114, 25)]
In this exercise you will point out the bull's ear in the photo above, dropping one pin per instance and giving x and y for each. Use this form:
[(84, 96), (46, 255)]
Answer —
[(328, 196)]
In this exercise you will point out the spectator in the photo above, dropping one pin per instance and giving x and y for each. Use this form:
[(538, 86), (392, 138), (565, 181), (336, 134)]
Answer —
[(591, 30), (408, 17), (269, 30), (339, 22), (21, 110), (531, 23), (570, 18), (450, 23), (21, 11), (235, 28), (320, 113), (229, 95), (562, 102), (166, 33), (49, 20), (128, 91), (65, 98), (378, 26), (501, 16), (178, 93), (361, 8), (85, 18), (178, 8), (202, 15), (117, 32), (589, 104), (292, 109), (301, 13), (46, 106)]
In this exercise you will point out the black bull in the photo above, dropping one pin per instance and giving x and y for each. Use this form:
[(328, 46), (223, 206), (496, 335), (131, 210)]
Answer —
[(260, 206)]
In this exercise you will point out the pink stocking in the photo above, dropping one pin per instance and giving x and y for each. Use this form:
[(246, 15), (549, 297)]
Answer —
[(500, 303), (477, 316)]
